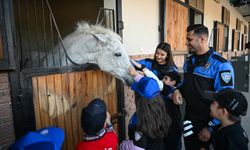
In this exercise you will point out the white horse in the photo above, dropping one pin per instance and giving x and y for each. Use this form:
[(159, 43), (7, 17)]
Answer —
[(94, 44)]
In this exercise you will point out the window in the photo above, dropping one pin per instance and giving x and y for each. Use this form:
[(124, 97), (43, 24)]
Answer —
[(197, 4), (195, 17), (220, 37), (235, 40)]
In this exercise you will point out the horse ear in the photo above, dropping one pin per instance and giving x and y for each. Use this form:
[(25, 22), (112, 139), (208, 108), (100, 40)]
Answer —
[(101, 37)]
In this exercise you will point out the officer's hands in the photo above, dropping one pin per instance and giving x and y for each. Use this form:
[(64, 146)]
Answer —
[(204, 134), (177, 97)]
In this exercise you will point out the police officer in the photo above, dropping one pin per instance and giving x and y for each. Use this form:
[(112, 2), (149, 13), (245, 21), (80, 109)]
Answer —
[(204, 70)]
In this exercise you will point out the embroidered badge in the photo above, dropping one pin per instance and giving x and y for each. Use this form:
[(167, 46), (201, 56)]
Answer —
[(226, 78), (205, 67)]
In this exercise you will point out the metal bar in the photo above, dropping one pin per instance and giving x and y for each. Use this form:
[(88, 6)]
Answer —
[(28, 26), (44, 35), (113, 18), (20, 41), (52, 38), (37, 34)]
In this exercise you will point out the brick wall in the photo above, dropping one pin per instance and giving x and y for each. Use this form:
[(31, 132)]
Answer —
[(6, 119)]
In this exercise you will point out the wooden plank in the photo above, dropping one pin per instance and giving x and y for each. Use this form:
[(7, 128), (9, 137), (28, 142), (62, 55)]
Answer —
[(4, 78), (66, 90), (78, 106), (51, 99), (94, 83), (36, 102), (42, 95), (59, 98), (73, 93), (100, 86)]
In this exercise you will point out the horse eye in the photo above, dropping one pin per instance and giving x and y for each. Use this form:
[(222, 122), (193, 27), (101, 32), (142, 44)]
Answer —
[(118, 54)]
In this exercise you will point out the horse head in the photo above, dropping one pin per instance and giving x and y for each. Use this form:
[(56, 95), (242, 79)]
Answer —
[(101, 46)]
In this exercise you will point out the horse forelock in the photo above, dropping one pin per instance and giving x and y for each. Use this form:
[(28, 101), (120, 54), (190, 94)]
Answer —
[(84, 27)]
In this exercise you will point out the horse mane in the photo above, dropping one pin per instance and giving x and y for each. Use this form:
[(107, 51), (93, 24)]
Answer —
[(85, 27)]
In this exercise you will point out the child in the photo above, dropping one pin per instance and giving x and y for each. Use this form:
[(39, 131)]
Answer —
[(170, 81), (95, 122), (229, 106), (150, 123)]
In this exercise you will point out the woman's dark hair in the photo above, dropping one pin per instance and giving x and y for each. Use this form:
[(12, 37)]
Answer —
[(169, 59), (152, 117)]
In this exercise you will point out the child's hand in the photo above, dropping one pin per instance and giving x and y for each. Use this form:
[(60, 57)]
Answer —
[(107, 121), (136, 64), (132, 71)]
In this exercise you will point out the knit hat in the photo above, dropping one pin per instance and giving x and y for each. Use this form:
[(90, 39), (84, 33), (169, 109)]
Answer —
[(93, 117)]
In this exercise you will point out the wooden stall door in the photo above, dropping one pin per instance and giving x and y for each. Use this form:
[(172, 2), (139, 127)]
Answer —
[(59, 98), (220, 38), (176, 25)]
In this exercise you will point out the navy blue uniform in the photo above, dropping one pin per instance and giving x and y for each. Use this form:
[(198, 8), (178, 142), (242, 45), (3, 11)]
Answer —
[(209, 72), (232, 137)]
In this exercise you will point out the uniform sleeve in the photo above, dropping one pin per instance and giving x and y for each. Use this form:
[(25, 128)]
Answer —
[(224, 77), (146, 62)]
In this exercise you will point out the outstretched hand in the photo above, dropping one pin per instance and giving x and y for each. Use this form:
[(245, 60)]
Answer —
[(136, 64), (177, 97), (132, 71)]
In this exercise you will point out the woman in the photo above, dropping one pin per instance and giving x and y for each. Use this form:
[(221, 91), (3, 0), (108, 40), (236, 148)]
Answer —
[(163, 61)]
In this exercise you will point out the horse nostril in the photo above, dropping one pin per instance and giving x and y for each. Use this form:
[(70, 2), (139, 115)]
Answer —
[(118, 54)]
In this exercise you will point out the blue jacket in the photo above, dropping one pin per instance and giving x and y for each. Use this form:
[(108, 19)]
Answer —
[(158, 70), (206, 72)]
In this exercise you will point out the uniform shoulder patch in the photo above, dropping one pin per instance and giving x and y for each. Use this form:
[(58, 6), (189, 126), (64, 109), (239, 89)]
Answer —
[(220, 58), (226, 78)]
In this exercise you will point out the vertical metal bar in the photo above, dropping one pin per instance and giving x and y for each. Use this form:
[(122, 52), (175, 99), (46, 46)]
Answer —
[(44, 35), (28, 26), (52, 38), (37, 35), (110, 21), (19, 31), (59, 51), (113, 19)]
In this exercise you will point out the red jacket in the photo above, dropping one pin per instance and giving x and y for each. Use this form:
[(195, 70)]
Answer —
[(108, 142)]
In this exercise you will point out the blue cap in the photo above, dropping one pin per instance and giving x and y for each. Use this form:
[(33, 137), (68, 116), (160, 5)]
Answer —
[(146, 87), (50, 138)]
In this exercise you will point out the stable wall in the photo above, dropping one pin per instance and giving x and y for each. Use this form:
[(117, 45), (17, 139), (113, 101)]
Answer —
[(141, 20), (212, 12)]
